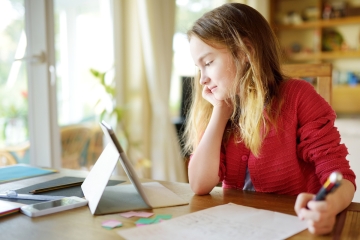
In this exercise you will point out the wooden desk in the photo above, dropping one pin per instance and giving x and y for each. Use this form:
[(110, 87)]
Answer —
[(80, 224)]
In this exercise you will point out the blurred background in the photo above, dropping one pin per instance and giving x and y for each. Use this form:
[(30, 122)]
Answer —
[(65, 65)]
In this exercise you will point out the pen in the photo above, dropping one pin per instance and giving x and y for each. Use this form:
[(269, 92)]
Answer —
[(331, 184), (40, 190), (12, 194)]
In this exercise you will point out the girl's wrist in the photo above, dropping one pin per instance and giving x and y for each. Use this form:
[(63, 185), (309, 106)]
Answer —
[(223, 112)]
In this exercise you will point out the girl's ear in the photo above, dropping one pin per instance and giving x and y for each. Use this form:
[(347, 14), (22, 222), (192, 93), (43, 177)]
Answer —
[(250, 50), (247, 58)]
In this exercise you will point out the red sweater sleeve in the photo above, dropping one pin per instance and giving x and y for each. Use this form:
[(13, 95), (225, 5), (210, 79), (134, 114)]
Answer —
[(318, 140)]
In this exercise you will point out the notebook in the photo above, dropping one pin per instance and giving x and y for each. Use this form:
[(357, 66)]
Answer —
[(22, 171), (7, 208), (124, 197)]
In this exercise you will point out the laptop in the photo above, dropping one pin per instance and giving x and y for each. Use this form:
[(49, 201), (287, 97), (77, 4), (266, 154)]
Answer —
[(123, 197)]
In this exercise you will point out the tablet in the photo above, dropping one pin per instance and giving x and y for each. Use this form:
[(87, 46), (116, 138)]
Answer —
[(123, 197), (125, 162)]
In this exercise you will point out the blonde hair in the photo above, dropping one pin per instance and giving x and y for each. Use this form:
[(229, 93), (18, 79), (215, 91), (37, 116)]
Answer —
[(255, 94)]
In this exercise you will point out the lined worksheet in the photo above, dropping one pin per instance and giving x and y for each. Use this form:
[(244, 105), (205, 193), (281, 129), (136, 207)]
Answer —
[(229, 221)]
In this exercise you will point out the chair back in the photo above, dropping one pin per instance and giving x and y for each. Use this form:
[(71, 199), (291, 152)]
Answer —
[(6, 158), (95, 145), (321, 71), (10, 155), (74, 142)]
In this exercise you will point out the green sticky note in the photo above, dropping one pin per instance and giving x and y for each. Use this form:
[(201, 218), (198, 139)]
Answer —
[(157, 219), (145, 221), (164, 216), (160, 217)]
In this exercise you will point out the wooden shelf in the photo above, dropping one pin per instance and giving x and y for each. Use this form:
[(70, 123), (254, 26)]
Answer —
[(310, 34), (323, 55), (321, 23)]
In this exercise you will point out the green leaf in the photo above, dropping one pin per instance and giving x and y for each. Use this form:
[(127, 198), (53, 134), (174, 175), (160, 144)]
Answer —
[(102, 79), (102, 114), (120, 113), (110, 90), (95, 72), (99, 75)]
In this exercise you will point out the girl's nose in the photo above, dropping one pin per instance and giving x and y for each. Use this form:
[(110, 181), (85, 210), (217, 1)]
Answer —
[(203, 79)]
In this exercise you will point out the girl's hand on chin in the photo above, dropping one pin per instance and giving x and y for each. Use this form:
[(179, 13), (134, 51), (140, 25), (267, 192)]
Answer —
[(221, 104), (209, 96)]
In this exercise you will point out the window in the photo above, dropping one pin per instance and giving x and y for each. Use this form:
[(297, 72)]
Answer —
[(13, 79), (187, 12), (83, 41), (83, 38)]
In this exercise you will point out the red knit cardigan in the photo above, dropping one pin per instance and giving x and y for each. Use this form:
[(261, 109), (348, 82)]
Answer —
[(298, 156)]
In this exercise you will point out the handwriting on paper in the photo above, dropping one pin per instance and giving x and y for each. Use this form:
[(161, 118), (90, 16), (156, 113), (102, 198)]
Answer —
[(229, 221)]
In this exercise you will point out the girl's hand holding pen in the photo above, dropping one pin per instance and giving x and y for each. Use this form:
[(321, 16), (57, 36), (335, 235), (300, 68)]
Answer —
[(319, 210)]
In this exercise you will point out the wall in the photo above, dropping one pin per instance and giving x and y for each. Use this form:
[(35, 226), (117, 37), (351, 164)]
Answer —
[(349, 129)]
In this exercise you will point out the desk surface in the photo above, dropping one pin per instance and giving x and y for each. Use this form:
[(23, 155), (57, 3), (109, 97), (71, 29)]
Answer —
[(80, 224)]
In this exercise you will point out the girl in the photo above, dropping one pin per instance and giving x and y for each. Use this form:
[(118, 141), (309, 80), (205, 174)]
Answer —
[(252, 128)]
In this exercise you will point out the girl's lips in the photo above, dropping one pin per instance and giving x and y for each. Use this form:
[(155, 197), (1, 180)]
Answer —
[(212, 89)]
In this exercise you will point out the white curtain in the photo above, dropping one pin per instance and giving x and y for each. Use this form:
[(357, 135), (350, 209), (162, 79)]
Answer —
[(157, 22), (143, 54)]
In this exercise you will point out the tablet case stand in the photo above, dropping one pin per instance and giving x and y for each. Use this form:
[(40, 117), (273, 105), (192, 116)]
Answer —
[(124, 197)]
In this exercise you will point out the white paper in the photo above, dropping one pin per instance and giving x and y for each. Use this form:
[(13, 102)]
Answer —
[(229, 221)]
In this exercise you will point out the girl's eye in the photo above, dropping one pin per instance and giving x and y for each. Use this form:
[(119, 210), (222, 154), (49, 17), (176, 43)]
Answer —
[(208, 63)]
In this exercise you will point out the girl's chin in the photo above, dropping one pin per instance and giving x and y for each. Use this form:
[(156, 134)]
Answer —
[(220, 96)]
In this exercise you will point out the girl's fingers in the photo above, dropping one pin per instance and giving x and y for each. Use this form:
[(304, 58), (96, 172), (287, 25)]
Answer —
[(307, 214), (321, 227), (317, 214), (302, 201), (318, 205)]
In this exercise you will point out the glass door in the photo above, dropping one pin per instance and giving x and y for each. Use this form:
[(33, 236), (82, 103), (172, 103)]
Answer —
[(14, 133), (28, 132), (84, 52)]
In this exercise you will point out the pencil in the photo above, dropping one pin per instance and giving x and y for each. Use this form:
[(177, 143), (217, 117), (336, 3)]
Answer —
[(40, 190)]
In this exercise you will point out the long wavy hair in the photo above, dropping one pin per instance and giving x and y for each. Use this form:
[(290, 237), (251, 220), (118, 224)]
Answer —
[(255, 94)]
